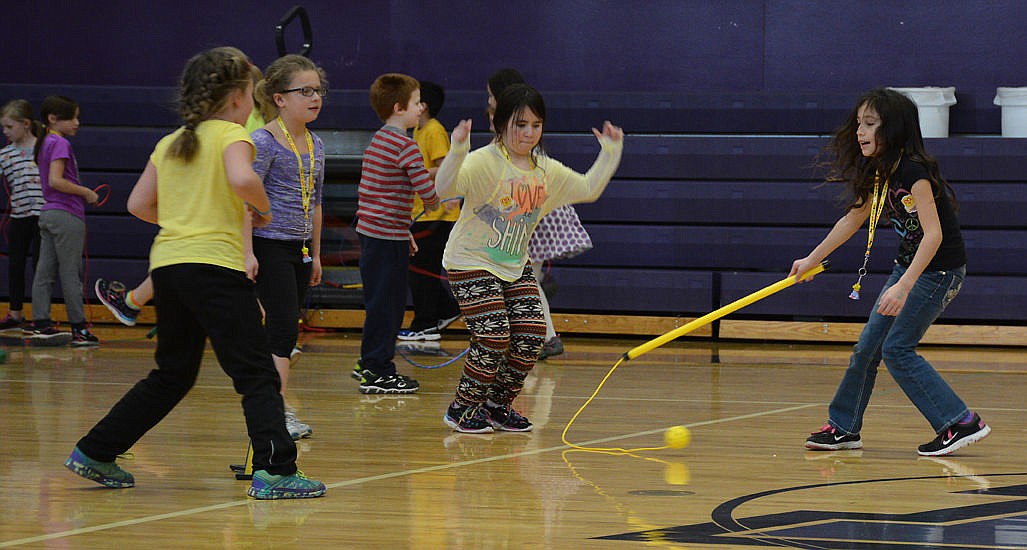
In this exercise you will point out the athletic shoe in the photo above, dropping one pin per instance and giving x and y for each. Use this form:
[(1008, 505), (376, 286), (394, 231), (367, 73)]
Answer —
[(468, 420), (444, 323), (104, 473), (296, 428), (428, 334), (831, 439), (38, 331), (9, 322), (81, 337), (387, 383), (45, 334), (553, 347), (433, 348), (956, 437), (505, 418), (359, 371), (112, 294), (267, 486)]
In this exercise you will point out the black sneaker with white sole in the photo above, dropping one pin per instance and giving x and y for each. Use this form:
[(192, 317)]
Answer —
[(387, 383), (956, 437), (830, 438)]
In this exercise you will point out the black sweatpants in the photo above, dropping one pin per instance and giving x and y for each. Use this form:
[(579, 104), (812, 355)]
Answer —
[(194, 302)]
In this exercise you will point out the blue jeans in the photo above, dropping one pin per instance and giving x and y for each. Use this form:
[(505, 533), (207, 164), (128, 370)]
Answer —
[(895, 340)]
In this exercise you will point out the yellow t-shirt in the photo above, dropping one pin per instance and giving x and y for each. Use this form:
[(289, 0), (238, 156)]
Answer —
[(433, 141), (255, 121), (199, 213)]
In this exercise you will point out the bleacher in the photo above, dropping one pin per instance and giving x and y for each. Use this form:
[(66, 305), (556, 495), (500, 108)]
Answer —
[(715, 196)]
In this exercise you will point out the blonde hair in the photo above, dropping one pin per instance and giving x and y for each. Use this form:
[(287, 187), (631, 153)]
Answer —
[(207, 81), (21, 110), (277, 78)]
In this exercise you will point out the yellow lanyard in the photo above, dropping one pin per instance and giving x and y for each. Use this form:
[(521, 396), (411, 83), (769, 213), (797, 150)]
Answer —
[(876, 207), (306, 184)]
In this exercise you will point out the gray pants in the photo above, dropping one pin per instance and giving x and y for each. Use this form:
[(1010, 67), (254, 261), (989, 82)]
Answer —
[(62, 238)]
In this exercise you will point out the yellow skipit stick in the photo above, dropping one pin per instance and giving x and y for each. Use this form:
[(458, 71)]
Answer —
[(718, 313)]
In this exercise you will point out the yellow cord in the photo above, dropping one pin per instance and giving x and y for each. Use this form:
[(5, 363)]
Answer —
[(667, 337), (608, 450)]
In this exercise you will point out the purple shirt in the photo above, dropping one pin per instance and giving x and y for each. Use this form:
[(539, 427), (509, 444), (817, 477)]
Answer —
[(57, 147), (276, 166)]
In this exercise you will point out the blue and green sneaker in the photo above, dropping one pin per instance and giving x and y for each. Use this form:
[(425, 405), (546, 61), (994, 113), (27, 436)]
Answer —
[(267, 486), (104, 473)]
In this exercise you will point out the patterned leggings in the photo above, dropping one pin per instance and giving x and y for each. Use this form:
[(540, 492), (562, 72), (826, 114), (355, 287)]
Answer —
[(507, 333)]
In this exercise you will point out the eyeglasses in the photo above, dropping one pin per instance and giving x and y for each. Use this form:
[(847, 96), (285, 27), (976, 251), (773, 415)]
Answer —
[(308, 91)]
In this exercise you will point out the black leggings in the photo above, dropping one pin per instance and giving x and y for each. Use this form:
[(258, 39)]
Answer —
[(23, 235), (282, 282)]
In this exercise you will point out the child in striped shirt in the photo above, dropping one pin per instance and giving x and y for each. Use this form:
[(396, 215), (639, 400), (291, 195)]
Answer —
[(25, 197), (392, 172)]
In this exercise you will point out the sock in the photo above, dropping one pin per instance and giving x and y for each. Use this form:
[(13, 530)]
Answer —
[(966, 419), (130, 301)]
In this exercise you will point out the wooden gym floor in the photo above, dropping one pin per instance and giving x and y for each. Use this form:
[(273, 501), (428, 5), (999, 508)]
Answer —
[(398, 478)]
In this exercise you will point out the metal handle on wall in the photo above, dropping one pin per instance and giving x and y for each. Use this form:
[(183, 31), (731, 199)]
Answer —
[(296, 11)]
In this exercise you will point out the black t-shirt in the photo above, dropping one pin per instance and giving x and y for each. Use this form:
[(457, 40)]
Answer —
[(906, 222)]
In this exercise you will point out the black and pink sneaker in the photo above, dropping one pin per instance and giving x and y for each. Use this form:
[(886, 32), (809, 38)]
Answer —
[(830, 438), (505, 418), (956, 437)]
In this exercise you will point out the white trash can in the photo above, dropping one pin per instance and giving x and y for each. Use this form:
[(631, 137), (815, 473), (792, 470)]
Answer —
[(1014, 111), (932, 104)]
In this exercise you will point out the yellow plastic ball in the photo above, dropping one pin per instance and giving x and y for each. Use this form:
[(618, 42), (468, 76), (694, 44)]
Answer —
[(677, 437)]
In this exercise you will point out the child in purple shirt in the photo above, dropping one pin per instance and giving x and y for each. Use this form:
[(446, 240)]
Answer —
[(62, 224)]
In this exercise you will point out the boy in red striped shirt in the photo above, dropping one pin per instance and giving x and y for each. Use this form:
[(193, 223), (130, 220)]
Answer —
[(392, 171)]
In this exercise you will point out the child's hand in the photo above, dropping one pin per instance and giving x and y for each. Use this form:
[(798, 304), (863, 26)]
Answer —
[(800, 267), (613, 133), (316, 271), (90, 196), (413, 245), (893, 300), (252, 267), (433, 206), (462, 131)]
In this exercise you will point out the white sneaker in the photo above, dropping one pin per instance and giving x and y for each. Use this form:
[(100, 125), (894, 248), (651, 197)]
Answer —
[(446, 322), (427, 335), (296, 428)]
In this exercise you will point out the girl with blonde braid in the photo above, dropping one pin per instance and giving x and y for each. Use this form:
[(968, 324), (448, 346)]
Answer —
[(198, 186)]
